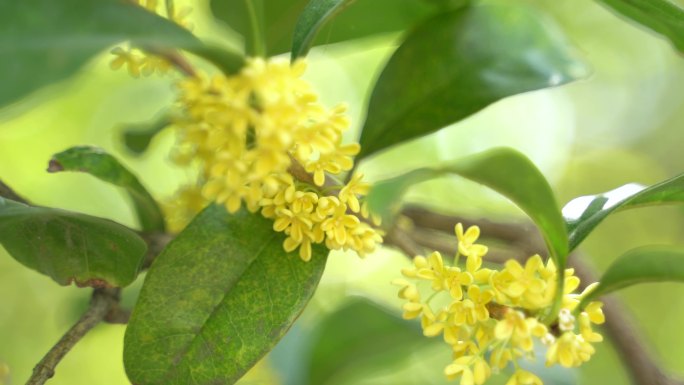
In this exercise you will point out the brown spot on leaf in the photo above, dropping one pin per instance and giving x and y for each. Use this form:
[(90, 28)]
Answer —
[(55, 166), (93, 282)]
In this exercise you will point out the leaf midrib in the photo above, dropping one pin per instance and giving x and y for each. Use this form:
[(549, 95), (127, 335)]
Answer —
[(183, 352)]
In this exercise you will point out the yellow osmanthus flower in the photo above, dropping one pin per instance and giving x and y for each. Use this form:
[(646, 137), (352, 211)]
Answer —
[(4, 373), (491, 318), (471, 370), (129, 58), (350, 193), (137, 61), (528, 287), (183, 206), (468, 247), (523, 377), (262, 140)]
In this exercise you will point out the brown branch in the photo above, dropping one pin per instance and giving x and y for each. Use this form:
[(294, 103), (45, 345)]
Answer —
[(7, 192), (156, 242), (403, 241), (179, 61), (434, 231), (102, 302), (446, 244), (117, 315), (174, 57), (510, 232)]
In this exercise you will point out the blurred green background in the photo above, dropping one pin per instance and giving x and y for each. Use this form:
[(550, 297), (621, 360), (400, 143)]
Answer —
[(621, 125)]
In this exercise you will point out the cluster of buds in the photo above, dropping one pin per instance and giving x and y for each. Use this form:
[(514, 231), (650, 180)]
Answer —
[(261, 139), (491, 318), (137, 61)]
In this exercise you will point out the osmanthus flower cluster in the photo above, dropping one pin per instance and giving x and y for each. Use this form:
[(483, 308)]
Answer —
[(491, 318), (263, 140), (139, 62)]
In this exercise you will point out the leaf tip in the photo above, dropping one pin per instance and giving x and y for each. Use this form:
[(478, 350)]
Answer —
[(97, 283), (54, 166)]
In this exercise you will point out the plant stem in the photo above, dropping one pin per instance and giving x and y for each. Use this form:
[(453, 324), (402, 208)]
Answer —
[(170, 9), (174, 57), (259, 48), (552, 315), (102, 302), (7, 192)]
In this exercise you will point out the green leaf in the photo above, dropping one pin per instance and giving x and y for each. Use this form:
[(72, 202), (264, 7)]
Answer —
[(459, 62), (276, 21), (138, 137), (70, 247), (312, 19), (45, 41), (98, 163), (265, 25), (226, 60), (216, 300), (583, 214), (353, 19), (504, 170), (360, 334), (663, 17), (640, 265)]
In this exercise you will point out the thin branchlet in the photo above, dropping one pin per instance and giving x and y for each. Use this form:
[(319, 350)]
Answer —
[(7, 192), (102, 303)]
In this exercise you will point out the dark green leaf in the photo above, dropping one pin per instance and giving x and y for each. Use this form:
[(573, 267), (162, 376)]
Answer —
[(98, 163), (663, 17), (504, 170), (583, 214), (137, 137), (641, 265), (265, 25), (70, 247), (360, 334), (228, 61), (459, 62), (45, 41), (312, 19), (216, 300), (278, 18), (353, 19)]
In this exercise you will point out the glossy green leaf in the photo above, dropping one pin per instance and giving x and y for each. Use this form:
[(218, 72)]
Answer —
[(663, 17), (502, 169), (216, 300), (641, 265), (358, 335), (277, 20), (70, 247), (331, 21), (459, 62), (98, 163), (312, 19), (265, 25), (45, 41), (138, 137), (583, 214)]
